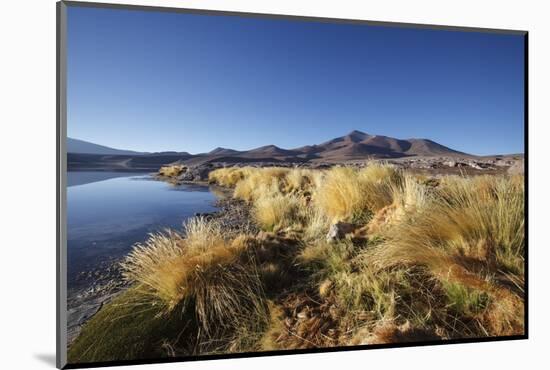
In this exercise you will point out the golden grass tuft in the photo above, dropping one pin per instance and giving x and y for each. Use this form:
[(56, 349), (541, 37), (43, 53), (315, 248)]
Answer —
[(201, 267), (277, 212), (348, 194), (408, 198), (229, 176), (260, 182), (172, 170), (340, 195)]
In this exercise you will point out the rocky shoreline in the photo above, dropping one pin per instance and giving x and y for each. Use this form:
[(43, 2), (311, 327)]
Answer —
[(95, 288), (180, 173)]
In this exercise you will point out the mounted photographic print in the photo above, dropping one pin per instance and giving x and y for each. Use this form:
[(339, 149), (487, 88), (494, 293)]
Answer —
[(235, 185)]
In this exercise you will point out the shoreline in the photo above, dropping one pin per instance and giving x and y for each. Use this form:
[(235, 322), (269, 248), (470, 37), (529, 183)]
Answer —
[(84, 302)]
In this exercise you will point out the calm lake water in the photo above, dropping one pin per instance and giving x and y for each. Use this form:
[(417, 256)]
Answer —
[(107, 212)]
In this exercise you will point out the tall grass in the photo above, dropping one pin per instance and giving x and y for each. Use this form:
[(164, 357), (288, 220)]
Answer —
[(349, 194), (215, 274), (471, 238), (277, 212), (229, 176), (477, 218), (340, 195)]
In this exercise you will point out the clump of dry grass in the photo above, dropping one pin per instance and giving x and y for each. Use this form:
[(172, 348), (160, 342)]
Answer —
[(277, 212), (201, 267), (250, 183), (349, 194), (229, 176), (201, 235), (379, 181), (340, 195), (302, 181), (316, 224), (261, 182), (172, 170), (408, 198)]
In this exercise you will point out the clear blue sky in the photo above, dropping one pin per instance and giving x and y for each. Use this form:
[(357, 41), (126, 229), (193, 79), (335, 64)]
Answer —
[(154, 81)]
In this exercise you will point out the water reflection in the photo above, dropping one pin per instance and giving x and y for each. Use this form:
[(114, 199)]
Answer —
[(108, 212)]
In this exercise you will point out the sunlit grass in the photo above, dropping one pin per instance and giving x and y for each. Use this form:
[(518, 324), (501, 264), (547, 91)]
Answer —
[(171, 170)]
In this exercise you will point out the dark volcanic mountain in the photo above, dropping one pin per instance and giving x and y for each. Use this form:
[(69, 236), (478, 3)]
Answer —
[(356, 145)]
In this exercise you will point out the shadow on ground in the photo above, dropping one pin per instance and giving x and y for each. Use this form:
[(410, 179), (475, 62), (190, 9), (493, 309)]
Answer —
[(47, 358)]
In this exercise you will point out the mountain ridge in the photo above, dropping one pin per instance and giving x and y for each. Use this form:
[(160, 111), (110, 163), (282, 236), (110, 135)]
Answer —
[(356, 145)]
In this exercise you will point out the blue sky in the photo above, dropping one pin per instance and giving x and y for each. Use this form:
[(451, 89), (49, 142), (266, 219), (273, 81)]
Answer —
[(154, 81)]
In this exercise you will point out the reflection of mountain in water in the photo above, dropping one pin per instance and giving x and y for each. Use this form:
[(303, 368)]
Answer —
[(75, 178)]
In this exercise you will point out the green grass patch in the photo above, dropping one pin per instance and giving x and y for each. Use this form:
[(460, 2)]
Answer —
[(132, 327)]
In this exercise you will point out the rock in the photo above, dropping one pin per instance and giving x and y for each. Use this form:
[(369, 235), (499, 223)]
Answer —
[(450, 163), (199, 173), (187, 176), (339, 230), (205, 215), (503, 163), (475, 165), (518, 168), (302, 315)]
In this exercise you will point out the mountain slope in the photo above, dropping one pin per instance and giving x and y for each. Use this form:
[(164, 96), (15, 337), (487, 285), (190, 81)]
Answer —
[(357, 145), (85, 147), (427, 147)]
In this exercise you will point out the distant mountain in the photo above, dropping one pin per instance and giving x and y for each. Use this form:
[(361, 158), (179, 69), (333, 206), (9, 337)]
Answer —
[(356, 145), (269, 151), (85, 147), (223, 151)]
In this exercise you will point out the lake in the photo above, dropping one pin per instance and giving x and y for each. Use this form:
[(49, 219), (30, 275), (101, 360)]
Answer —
[(107, 212)]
